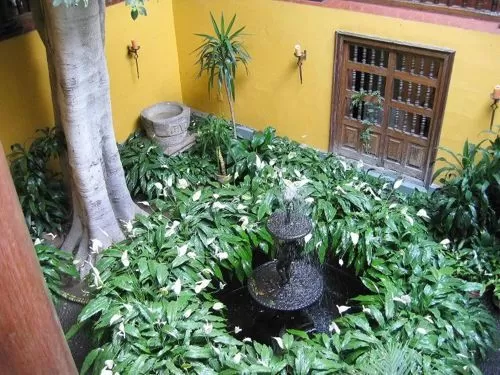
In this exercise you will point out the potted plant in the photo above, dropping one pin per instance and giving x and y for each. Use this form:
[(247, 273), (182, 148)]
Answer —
[(214, 139), (219, 56)]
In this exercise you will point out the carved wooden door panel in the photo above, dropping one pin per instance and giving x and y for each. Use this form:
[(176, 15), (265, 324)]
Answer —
[(411, 83)]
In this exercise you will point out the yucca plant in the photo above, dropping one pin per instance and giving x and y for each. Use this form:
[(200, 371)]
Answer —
[(219, 56)]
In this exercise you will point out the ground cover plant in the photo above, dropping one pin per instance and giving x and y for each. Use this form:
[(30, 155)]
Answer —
[(154, 308)]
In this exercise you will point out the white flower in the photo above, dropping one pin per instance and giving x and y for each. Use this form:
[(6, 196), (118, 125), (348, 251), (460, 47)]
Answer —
[(196, 195), (188, 313), (207, 328), (354, 238), (95, 246), (218, 306), (421, 330), (342, 309), (216, 196), (222, 285), (177, 286), (309, 200), (241, 207), (170, 181), (334, 327), (397, 184), (158, 185), (96, 275), (218, 205), (405, 299), (366, 310), (109, 363), (307, 238), (272, 162), (144, 203), (341, 262), (222, 255), (115, 318), (291, 155), (237, 330), (445, 242), (280, 342), (182, 250), (247, 339), (191, 255), (244, 222), (38, 241), (182, 184), (423, 214), (393, 205), (429, 319), (128, 226), (237, 358), (121, 330), (124, 259), (200, 285)]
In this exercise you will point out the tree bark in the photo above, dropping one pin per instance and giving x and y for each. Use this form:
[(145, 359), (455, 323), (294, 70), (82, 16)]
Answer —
[(74, 41), (231, 108), (32, 338)]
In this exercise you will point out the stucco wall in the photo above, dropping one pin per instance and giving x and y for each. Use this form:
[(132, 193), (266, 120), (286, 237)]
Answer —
[(25, 102), (272, 95)]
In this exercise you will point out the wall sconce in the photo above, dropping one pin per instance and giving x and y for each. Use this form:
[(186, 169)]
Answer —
[(495, 96), (133, 51), (301, 57)]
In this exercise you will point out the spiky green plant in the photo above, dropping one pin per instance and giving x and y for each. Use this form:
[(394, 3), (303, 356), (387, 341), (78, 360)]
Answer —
[(219, 57)]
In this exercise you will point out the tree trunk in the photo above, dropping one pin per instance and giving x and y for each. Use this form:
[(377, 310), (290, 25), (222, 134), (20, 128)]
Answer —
[(74, 41), (231, 107)]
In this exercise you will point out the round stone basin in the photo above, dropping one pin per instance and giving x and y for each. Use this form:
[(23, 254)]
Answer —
[(166, 119)]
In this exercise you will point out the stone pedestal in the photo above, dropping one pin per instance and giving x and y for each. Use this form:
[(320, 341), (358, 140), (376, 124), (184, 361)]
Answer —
[(167, 123)]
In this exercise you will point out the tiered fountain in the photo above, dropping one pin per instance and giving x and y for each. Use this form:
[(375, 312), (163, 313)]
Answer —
[(288, 283)]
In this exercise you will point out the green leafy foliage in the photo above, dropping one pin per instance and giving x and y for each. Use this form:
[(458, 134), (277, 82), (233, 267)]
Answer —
[(369, 105), (40, 190), (214, 140), (55, 264), (154, 309)]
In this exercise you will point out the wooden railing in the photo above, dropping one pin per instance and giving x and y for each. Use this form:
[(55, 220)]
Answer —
[(483, 9)]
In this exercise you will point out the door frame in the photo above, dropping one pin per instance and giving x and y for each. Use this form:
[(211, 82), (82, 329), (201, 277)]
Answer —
[(446, 55)]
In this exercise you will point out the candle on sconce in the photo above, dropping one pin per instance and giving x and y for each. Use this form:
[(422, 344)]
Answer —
[(298, 50), (135, 44), (496, 92)]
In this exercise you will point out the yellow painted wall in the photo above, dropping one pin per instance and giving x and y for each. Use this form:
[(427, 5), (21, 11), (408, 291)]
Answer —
[(25, 102), (272, 95)]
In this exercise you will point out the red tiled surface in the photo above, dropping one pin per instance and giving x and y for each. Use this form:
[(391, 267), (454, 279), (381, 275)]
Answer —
[(409, 14)]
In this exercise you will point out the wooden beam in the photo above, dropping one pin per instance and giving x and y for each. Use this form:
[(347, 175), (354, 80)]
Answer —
[(32, 341)]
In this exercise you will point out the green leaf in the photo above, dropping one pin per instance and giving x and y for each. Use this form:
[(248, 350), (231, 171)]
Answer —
[(94, 307)]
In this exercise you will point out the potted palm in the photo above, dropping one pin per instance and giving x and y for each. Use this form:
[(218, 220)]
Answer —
[(219, 55), (214, 138)]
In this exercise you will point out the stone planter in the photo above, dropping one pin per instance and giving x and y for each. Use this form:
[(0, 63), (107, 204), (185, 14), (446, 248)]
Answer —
[(167, 124)]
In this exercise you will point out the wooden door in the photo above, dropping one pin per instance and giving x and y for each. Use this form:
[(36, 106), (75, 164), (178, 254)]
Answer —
[(412, 82)]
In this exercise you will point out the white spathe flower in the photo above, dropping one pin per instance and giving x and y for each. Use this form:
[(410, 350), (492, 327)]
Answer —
[(341, 262), (200, 285), (158, 185), (182, 250), (218, 306), (191, 255), (124, 259), (208, 328), (177, 287), (366, 310), (196, 195), (182, 183), (128, 226), (393, 205), (423, 214), (241, 207), (404, 299), (244, 221), (144, 203), (237, 330), (342, 309), (188, 313), (222, 255), (222, 285), (237, 358), (309, 200), (334, 327), (109, 363), (445, 242), (308, 238), (95, 245), (115, 318), (354, 238), (429, 319), (279, 341), (218, 205), (397, 184), (421, 330), (37, 241), (170, 181), (121, 330), (216, 196)]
